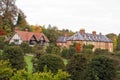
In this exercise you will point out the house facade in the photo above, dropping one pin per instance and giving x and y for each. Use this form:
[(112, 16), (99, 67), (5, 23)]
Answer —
[(30, 37), (83, 38)]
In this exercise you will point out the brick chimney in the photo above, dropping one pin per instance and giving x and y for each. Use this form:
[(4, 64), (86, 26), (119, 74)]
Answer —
[(26, 30), (16, 29), (94, 32), (82, 31), (66, 34)]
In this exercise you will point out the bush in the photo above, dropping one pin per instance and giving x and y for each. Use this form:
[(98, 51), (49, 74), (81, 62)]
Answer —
[(15, 56), (100, 68), (53, 63), (76, 66), (68, 53), (26, 48), (99, 51), (5, 70)]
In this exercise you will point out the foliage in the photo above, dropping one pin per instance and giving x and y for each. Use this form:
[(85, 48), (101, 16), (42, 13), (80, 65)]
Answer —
[(23, 75), (25, 47), (78, 47), (100, 68), (76, 66), (21, 22), (5, 70), (56, 50), (53, 63), (118, 43), (68, 53), (8, 11), (99, 51), (15, 56), (49, 48), (113, 37), (90, 46)]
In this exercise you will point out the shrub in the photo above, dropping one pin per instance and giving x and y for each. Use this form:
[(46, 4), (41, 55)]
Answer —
[(99, 51), (15, 56), (76, 66), (100, 68), (68, 53), (25, 47), (53, 63)]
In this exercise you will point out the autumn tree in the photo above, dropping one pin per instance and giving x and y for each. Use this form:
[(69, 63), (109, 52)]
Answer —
[(8, 12)]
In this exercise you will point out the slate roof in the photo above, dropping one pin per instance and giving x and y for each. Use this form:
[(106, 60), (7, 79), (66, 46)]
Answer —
[(86, 37), (62, 39)]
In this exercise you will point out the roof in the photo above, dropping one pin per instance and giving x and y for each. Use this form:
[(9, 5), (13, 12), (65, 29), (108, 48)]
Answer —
[(62, 39), (26, 36), (84, 37), (88, 37)]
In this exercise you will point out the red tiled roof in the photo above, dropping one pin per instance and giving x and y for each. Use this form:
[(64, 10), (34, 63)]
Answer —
[(26, 36), (39, 35)]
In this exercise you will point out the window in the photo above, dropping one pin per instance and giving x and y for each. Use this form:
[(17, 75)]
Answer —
[(16, 41)]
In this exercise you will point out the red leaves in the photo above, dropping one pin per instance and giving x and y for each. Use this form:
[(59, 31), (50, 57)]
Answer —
[(2, 32)]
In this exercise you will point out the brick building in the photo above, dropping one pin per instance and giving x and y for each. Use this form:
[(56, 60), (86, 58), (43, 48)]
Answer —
[(81, 37)]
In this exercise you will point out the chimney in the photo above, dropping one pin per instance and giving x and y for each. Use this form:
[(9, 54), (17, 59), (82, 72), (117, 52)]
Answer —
[(82, 31), (16, 29), (66, 34), (94, 32), (26, 30), (100, 33)]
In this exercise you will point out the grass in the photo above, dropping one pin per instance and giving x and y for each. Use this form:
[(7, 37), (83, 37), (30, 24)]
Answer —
[(28, 59), (65, 61)]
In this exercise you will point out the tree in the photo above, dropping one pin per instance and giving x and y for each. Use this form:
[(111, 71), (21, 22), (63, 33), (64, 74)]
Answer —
[(113, 37), (118, 43), (68, 53), (25, 47), (15, 56), (8, 11), (53, 63), (76, 66), (100, 68), (21, 21), (5, 70)]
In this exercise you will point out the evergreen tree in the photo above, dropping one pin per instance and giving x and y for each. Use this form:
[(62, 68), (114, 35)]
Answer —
[(21, 22), (15, 56)]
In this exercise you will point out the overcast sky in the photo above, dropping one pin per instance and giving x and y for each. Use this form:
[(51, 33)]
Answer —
[(100, 15)]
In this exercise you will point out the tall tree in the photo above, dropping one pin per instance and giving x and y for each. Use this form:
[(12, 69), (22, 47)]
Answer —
[(118, 43), (21, 21), (8, 11), (113, 37)]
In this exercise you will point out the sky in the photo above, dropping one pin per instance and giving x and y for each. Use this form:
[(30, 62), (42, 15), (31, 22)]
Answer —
[(92, 15)]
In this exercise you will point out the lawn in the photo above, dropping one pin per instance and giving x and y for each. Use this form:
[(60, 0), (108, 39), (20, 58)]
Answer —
[(28, 59)]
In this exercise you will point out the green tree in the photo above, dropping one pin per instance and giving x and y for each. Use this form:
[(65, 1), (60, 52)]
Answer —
[(21, 21), (15, 56), (68, 53), (113, 37), (53, 63), (25, 47), (5, 70), (118, 43), (76, 66), (100, 68)]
